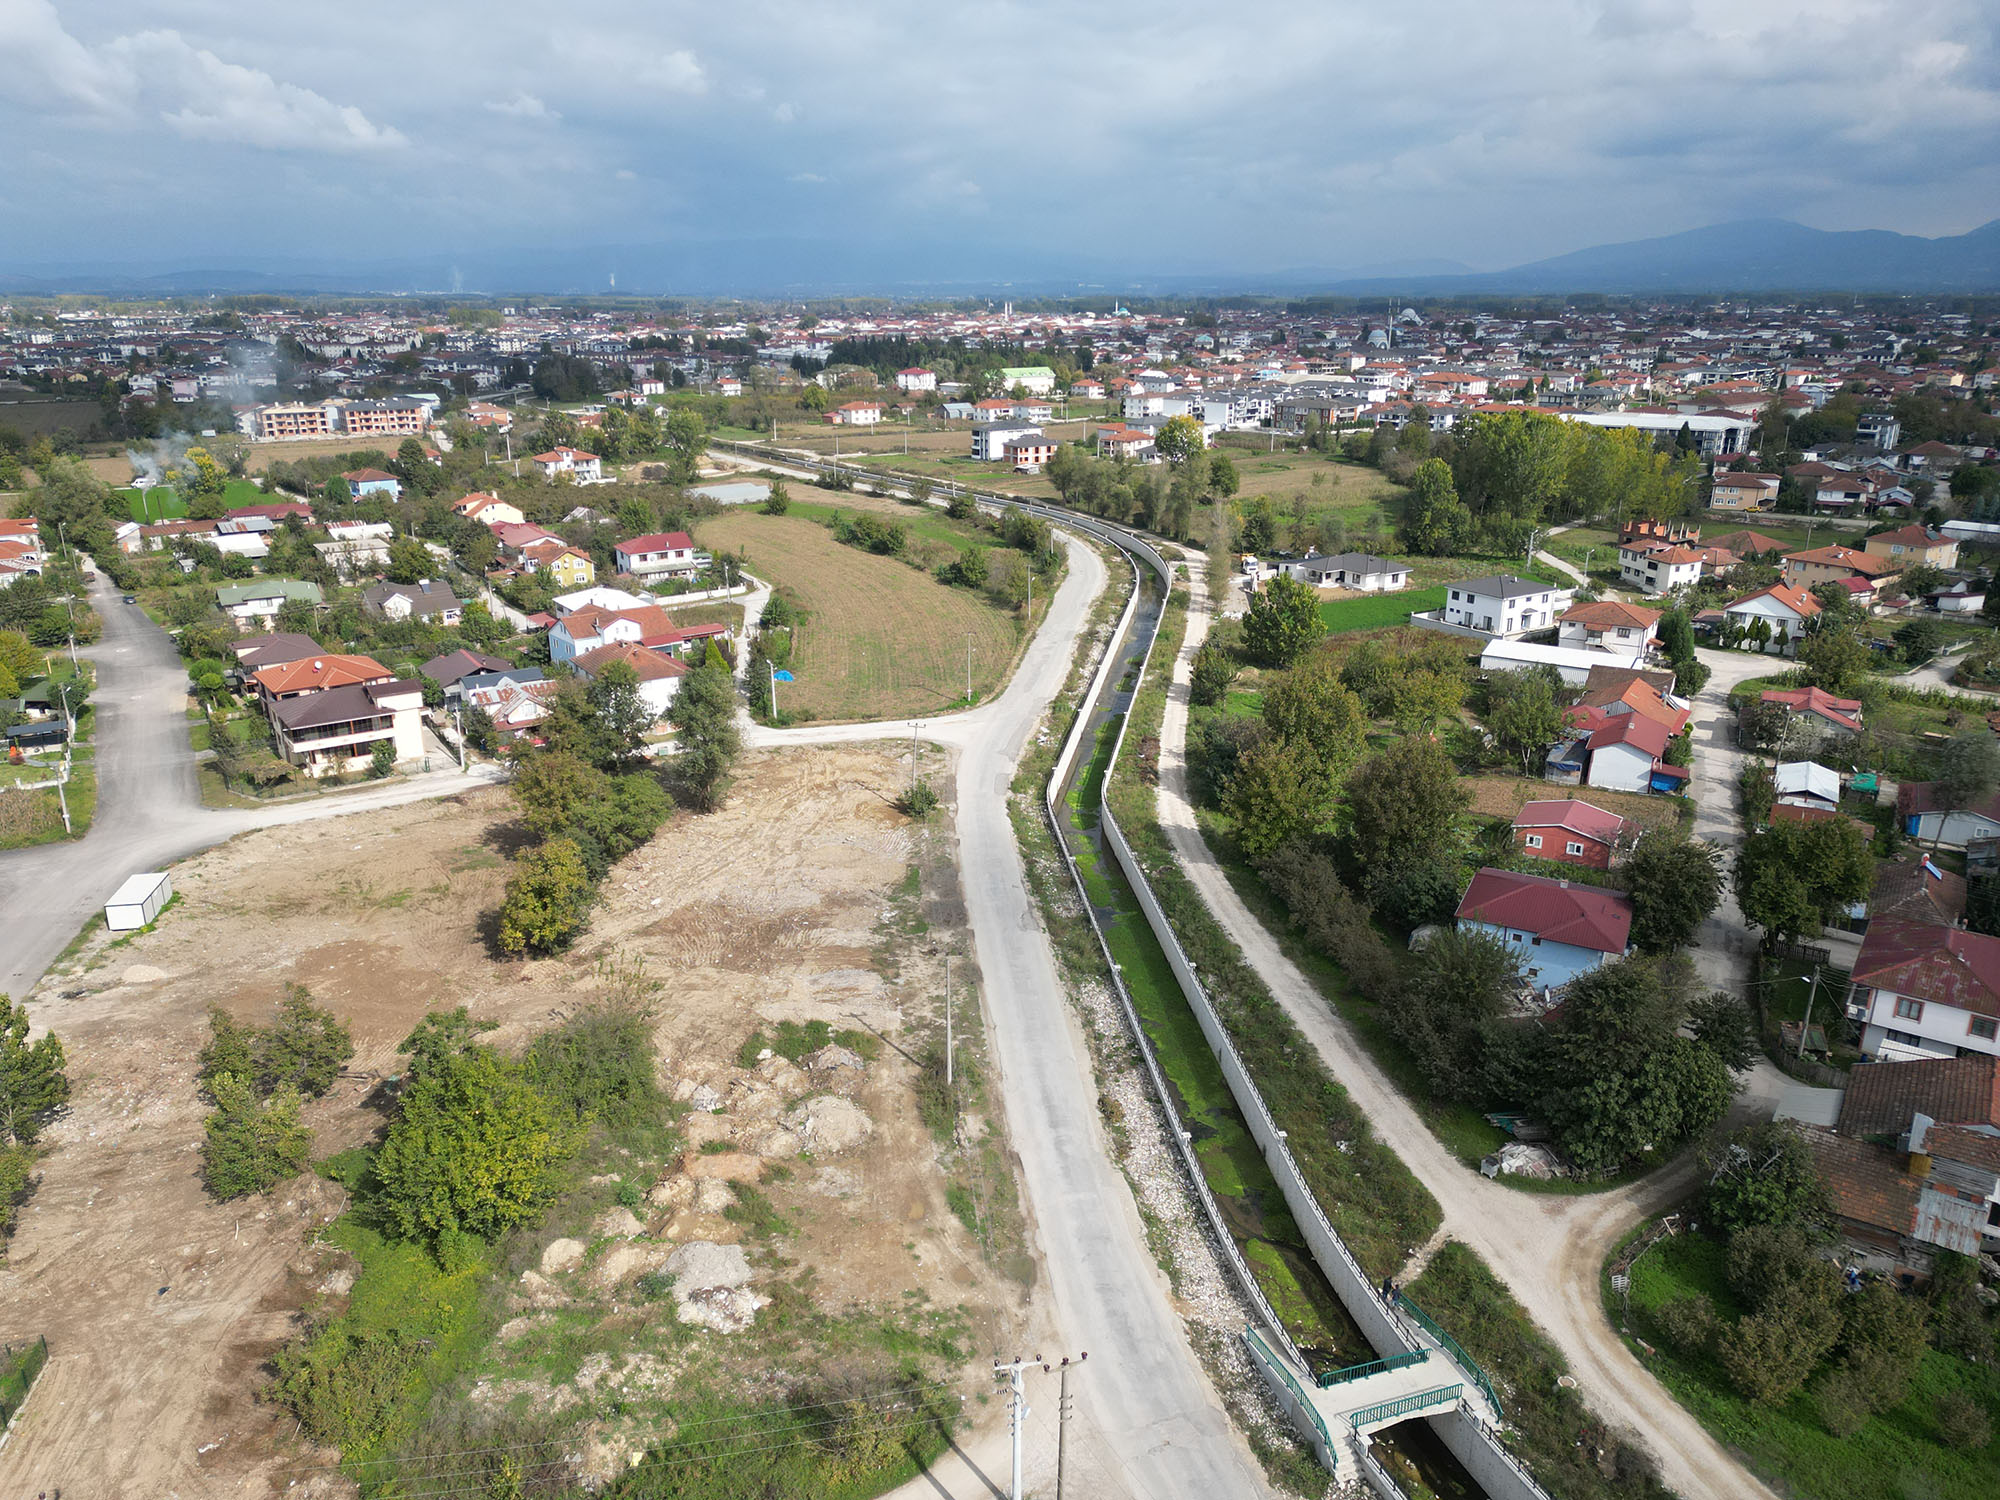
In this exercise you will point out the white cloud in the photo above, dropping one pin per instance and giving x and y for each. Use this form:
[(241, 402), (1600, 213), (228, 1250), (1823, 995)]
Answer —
[(160, 74), (805, 177), (785, 113), (523, 106)]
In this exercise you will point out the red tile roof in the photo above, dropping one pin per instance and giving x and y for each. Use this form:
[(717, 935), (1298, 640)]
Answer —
[(1609, 614), (1797, 600), (1640, 731), (1573, 817), (311, 674), (1941, 964), (651, 665), (1811, 700), (1864, 563), (1865, 1183), (1583, 916), (657, 541), (1882, 1096)]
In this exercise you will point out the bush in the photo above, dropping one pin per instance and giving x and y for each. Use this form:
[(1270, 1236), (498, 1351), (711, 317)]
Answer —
[(1843, 1409), (599, 1065), (919, 799), (342, 1386), (1769, 1355), (1962, 1421), (303, 1048), (1213, 671), (1688, 1323), (249, 1145), (382, 759), (548, 901)]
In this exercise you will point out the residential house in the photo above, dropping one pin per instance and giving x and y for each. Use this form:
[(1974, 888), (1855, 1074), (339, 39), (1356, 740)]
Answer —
[(580, 467), (1782, 609), (570, 567), (1895, 1206), (1557, 930), (315, 674), (1030, 380), (1829, 715), (1915, 888), (856, 414), (258, 603), (426, 600), (453, 667), (1125, 442), (658, 554), (1568, 831), (1744, 492), (1607, 625), (650, 626), (1659, 567), (254, 652), (1748, 543), (1342, 570), (337, 729), (517, 538), (1503, 605), (487, 509), (1038, 412), (659, 674), (515, 701), (1907, 546), (1837, 564), (1627, 754), (372, 482), (1806, 783), (1842, 493), (1029, 455), (356, 547), (600, 596), (916, 379), (1924, 991), (1922, 819), (990, 439)]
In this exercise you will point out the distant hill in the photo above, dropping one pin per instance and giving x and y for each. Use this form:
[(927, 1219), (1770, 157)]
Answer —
[(1749, 255)]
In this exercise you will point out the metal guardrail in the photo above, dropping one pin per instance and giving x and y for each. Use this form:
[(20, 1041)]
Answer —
[(1261, 1353), (1403, 1406), (1451, 1347), (1519, 1469), (1373, 1367), (1379, 1479)]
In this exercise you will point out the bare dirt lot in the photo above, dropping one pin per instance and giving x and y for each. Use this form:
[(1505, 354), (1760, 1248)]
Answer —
[(161, 1307)]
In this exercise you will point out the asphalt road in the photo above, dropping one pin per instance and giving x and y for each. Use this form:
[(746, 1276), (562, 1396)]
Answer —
[(1149, 1422), (149, 810)]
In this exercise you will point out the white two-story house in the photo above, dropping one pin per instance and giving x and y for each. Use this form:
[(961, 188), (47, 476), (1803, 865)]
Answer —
[(1503, 605), (1923, 991), (659, 554)]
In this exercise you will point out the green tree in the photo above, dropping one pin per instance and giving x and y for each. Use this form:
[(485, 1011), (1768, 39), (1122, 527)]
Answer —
[(1425, 699), (1761, 1174), (33, 1085), (552, 788), (1768, 1355), (703, 714), (1210, 675), (19, 657), (1283, 622), (1464, 984), (1310, 708), (439, 1036), (1404, 798), (1968, 771), (1276, 794), (1674, 884), (548, 900), (410, 560), (1223, 479), (1260, 528), (249, 1144), (474, 1149), (623, 711), (1435, 523), (302, 1049), (1179, 440), (685, 437), (1834, 660), (1794, 877), (778, 501), (630, 812), (1526, 715), (1918, 640), (1886, 1335)]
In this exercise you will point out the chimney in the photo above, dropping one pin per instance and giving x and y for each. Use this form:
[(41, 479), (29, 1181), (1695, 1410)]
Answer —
[(1915, 1141)]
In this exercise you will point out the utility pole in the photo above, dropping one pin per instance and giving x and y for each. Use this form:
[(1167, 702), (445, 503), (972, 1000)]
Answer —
[(1065, 1409), (1017, 1414), (968, 666), (1805, 1027), (914, 726), (774, 689), (947, 1023)]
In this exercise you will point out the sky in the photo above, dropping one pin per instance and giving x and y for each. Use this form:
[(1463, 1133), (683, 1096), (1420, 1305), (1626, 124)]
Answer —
[(934, 141)]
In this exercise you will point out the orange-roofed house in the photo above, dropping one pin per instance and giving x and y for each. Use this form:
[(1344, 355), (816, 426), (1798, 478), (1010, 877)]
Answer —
[(1837, 564), (1781, 608), (659, 674), (315, 674), (1745, 492), (487, 509), (1607, 625), (571, 463), (1909, 545)]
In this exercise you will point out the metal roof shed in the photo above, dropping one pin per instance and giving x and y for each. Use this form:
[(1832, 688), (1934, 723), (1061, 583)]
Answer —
[(135, 903)]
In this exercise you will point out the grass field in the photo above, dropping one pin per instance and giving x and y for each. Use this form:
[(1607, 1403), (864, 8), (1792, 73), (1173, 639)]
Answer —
[(1377, 611), (1894, 1456), (160, 503), (881, 640), (32, 416)]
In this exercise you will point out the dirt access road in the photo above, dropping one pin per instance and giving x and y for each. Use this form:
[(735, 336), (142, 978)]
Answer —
[(161, 1306), (1549, 1250)]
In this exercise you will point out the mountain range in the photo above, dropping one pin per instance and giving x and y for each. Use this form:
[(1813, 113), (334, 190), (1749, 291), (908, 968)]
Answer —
[(1749, 255)]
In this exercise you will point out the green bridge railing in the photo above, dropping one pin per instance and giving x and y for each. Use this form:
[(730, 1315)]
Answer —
[(1403, 1406), (1451, 1346)]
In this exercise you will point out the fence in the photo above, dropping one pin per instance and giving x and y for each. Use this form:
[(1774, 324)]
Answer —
[(19, 1365), (1373, 1367), (1403, 1406), (1450, 1346), (1292, 1396), (1380, 1480)]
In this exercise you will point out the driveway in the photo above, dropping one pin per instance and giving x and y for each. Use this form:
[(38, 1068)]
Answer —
[(149, 810), (1549, 1250)]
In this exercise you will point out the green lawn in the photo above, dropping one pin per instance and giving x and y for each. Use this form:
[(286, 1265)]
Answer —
[(1895, 1456), (1378, 611), (160, 503)]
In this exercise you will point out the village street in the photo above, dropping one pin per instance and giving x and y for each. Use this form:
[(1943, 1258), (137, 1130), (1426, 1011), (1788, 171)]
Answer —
[(1549, 1250)]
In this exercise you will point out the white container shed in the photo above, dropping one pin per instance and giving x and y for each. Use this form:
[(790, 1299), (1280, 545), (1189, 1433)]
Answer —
[(135, 903)]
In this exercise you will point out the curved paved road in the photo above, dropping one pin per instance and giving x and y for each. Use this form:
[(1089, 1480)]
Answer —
[(1549, 1250), (1149, 1420)]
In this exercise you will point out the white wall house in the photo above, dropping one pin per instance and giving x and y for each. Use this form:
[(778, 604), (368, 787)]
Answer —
[(583, 468), (659, 554), (336, 730), (1655, 568), (1923, 991), (1783, 609), (1503, 605)]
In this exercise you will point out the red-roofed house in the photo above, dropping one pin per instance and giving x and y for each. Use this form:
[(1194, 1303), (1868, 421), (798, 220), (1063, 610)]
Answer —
[(1743, 492), (581, 467), (1558, 930), (488, 508), (1836, 564), (1624, 750), (1924, 991), (856, 414), (1568, 831), (1834, 715), (1607, 625), (316, 674), (659, 674), (659, 554), (1909, 545), (1781, 607)]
